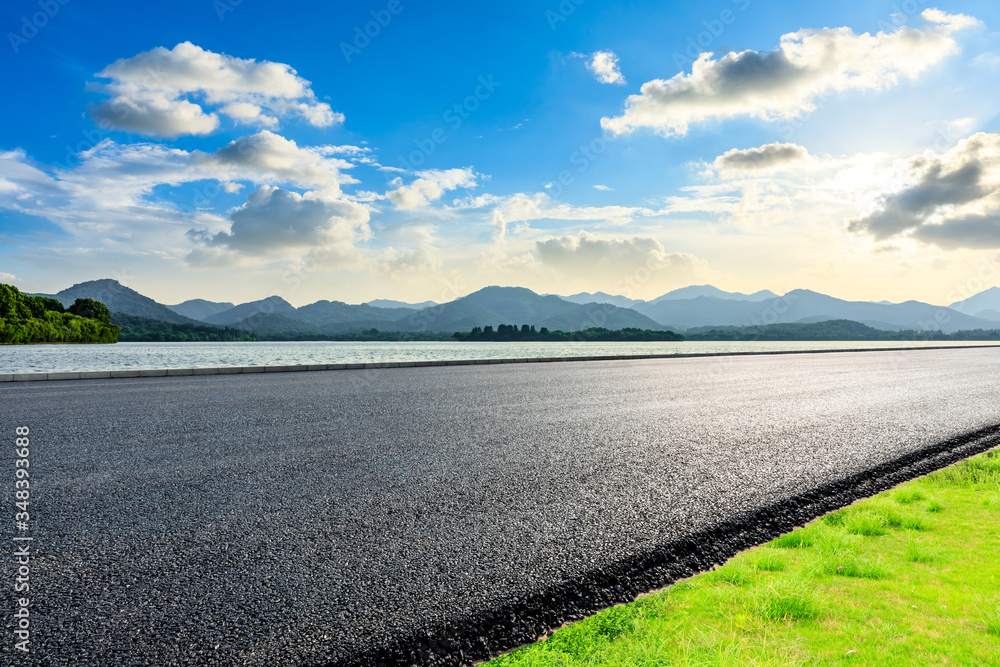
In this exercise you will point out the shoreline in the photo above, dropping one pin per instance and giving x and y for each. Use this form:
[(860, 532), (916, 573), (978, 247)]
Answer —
[(240, 370)]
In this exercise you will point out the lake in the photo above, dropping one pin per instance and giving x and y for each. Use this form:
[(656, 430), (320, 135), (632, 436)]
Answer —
[(129, 356)]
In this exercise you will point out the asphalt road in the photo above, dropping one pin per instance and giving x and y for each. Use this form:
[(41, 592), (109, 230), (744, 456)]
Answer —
[(437, 514)]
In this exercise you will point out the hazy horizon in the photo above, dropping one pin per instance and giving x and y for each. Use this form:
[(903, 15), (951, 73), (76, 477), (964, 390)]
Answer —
[(418, 153), (390, 298)]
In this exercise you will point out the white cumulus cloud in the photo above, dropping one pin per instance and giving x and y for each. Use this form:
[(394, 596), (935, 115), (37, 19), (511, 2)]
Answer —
[(785, 83), (267, 156), (274, 220), (767, 156), (430, 186), (182, 91), (604, 65), (951, 200), (123, 198)]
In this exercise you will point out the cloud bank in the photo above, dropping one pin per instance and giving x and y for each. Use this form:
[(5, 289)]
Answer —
[(612, 258), (430, 186), (785, 83), (184, 90), (274, 221), (523, 207), (952, 200), (266, 156)]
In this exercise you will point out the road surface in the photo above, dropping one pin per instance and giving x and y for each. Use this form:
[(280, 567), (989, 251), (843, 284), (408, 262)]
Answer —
[(436, 515)]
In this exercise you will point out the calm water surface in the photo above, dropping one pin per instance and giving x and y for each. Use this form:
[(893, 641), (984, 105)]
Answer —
[(127, 356)]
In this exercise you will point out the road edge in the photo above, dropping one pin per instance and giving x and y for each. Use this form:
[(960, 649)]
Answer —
[(470, 641), (239, 370)]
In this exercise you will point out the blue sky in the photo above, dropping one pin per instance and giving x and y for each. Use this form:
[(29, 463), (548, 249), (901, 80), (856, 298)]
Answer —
[(233, 150)]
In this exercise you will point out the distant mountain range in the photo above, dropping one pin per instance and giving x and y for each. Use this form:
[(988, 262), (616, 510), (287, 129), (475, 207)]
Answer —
[(120, 299), (199, 309), (389, 303), (687, 308), (985, 305), (690, 292)]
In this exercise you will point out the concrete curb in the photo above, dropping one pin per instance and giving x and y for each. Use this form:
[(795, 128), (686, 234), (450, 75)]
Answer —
[(234, 370)]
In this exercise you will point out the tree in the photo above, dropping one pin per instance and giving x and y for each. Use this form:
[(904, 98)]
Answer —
[(28, 319), (12, 305), (92, 309), (50, 304)]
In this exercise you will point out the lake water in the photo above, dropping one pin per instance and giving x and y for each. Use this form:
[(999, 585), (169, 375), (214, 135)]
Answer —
[(129, 356)]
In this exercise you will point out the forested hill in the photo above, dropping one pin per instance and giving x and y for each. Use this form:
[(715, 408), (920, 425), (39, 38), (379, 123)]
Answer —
[(121, 299), (143, 329), (33, 319)]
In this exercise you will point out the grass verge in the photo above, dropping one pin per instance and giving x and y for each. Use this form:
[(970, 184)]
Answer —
[(908, 577)]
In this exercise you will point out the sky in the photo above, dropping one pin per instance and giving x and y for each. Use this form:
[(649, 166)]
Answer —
[(236, 149)]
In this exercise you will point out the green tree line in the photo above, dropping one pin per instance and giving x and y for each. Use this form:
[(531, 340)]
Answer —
[(33, 319), (830, 330), (511, 332), (137, 329)]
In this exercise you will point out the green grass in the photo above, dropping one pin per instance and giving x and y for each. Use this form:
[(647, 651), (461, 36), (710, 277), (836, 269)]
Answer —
[(908, 496), (768, 560), (991, 617), (909, 577), (919, 553), (786, 599)]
